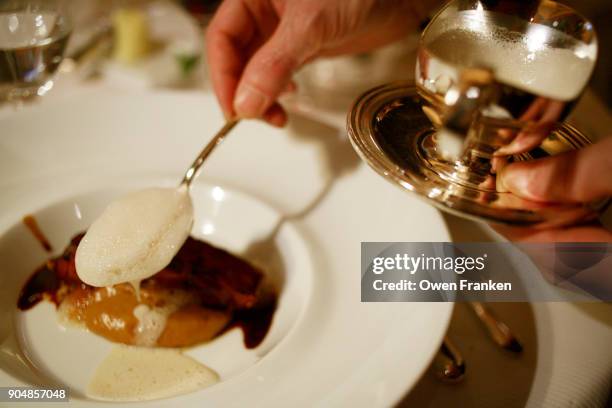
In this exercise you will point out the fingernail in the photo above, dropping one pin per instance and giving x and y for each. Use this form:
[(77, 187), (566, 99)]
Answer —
[(511, 148), (502, 151), (249, 102), (508, 149), (499, 183)]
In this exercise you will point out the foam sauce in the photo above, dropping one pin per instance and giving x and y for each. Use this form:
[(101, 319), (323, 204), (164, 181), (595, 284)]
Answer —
[(136, 285), (139, 373), (151, 324), (527, 63), (135, 237), (152, 320)]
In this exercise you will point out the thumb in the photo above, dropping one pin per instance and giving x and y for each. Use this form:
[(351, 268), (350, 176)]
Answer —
[(578, 176), (268, 73)]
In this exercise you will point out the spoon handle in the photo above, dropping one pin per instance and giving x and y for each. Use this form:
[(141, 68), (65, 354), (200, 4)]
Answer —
[(499, 331), (449, 363), (214, 142)]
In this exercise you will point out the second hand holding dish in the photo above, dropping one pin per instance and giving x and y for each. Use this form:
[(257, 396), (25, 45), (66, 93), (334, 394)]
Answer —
[(139, 234)]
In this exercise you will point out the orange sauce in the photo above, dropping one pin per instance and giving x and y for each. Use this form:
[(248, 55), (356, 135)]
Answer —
[(30, 222), (204, 292)]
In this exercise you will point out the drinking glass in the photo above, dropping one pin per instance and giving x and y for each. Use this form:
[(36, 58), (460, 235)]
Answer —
[(33, 38), (494, 71)]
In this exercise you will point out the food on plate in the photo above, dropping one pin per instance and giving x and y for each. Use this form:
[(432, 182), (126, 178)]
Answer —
[(201, 293), (31, 223), (144, 373), (135, 237)]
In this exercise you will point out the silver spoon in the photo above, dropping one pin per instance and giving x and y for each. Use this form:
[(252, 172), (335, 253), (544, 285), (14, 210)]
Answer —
[(215, 141)]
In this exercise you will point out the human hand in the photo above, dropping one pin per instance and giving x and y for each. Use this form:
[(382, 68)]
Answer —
[(541, 117), (254, 46), (578, 176)]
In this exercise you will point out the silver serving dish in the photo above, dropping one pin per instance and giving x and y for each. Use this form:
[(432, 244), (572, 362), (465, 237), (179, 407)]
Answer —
[(490, 76)]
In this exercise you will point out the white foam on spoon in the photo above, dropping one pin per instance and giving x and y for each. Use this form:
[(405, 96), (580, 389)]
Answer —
[(135, 237), (141, 373)]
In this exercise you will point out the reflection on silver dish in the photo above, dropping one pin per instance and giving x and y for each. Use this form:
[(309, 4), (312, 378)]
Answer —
[(392, 134)]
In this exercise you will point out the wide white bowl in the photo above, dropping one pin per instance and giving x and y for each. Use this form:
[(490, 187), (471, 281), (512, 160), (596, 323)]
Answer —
[(297, 200)]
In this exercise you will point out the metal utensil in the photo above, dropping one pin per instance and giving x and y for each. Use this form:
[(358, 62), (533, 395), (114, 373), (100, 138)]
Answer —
[(215, 141), (499, 331), (449, 363)]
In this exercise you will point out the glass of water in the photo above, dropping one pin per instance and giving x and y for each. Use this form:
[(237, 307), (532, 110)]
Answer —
[(33, 38)]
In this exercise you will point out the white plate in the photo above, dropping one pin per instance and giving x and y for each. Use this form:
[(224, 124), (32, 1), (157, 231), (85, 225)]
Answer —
[(325, 346)]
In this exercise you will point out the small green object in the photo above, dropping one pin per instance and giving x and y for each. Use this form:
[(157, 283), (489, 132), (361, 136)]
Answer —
[(187, 62)]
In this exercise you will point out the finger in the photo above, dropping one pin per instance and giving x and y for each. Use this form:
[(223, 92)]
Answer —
[(543, 115), (586, 233), (498, 163), (524, 141), (276, 116), (229, 33), (534, 110), (269, 71), (577, 176)]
